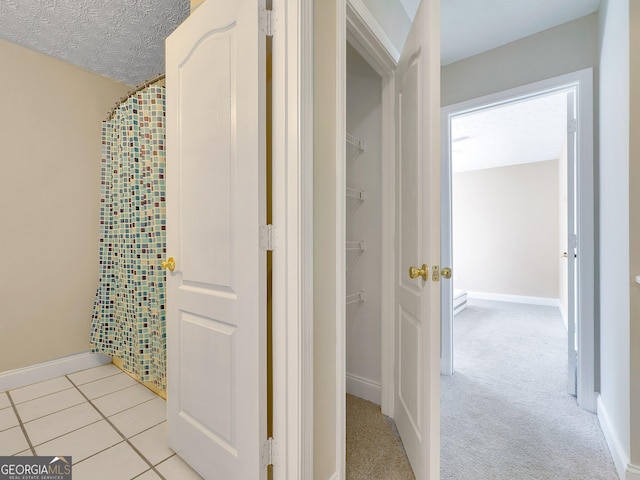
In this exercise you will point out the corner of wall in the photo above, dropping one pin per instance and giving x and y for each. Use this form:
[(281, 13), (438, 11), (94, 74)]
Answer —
[(620, 457)]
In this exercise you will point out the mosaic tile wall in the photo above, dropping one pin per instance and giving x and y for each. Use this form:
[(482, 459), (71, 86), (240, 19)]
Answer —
[(128, 320)]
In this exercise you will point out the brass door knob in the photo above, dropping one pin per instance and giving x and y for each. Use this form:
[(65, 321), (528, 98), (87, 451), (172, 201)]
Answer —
[(446, 272), (170, 264), (419, 272)]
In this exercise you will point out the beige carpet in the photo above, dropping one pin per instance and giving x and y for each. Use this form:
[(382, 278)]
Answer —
[(374, 450)]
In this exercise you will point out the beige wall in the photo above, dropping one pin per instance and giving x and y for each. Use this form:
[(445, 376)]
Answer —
[(634, 224), (563, 49), (505, 230), (50, 153), (324, 239), (563, 226), (195, 4)]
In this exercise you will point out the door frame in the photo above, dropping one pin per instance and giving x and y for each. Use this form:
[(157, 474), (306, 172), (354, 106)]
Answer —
[(582, 81), (357, 25), (292, 209)]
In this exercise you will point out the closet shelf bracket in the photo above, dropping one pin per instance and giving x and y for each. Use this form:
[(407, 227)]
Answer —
[(355, 142), (355, 298), (361, 246), (357, 194)]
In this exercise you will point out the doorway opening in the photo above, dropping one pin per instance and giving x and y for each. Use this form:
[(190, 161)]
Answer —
[(373, 446), (567, 267), (518, 228), (510, 205)]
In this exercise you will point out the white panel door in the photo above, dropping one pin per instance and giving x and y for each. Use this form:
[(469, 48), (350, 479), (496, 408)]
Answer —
[(216, 297), (571, 248), (417, 356)]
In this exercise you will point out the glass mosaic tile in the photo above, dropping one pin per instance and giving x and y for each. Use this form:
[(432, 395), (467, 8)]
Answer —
[(128, 320)]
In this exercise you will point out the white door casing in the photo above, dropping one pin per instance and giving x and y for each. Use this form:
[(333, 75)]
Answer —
[(446, 250), (571, 246), (417, 394), (216, 297)]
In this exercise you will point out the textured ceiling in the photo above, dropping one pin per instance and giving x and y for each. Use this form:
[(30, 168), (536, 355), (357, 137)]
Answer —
[(124, 39), (120, 39), (522, 132)]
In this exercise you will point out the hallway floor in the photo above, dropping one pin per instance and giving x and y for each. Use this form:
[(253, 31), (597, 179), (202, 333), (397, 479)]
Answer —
[(112, 427), (505, 412)]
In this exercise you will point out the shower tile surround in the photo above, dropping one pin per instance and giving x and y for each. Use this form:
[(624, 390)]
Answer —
[(119, 434)]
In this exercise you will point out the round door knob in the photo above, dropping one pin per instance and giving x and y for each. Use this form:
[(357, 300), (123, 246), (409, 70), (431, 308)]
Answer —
[(170, 264), (446, 272), (423, 272)]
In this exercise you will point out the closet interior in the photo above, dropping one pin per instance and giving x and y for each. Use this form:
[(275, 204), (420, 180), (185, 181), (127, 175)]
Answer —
[(374, 449), (363, 228)]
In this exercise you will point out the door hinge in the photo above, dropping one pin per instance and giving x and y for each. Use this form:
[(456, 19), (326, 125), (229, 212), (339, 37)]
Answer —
[(267, 238), (572, 126), (267, 21), (269, 452)]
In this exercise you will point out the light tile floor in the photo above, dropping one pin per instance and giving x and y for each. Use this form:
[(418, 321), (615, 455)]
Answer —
[(112, 427)]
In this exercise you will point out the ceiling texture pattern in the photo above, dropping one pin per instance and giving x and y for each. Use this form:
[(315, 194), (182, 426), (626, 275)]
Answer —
[(120, 39), (124, 39), (520, 132)]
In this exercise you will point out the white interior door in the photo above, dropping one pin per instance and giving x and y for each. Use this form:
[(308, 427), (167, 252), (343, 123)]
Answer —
[(572, 244), (216, 297), (417, 361)]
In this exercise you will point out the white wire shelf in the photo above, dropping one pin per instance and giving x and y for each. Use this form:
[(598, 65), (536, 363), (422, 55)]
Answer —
[(355, 142), (357, 194), (355, 298), (360, 246)]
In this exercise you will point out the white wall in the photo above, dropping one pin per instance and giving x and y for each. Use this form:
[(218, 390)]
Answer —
[(364, 222), (393, 18), (614, 219), (506, 230)]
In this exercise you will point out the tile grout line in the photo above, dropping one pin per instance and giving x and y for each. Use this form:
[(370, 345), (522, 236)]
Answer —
[(145, 459), (24, 430), (104, 395)]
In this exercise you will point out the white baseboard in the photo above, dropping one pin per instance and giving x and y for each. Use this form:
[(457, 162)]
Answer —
[(565, 319), (620, 457), (364, 388), (633, 472), (52, 369), (499, 297)]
